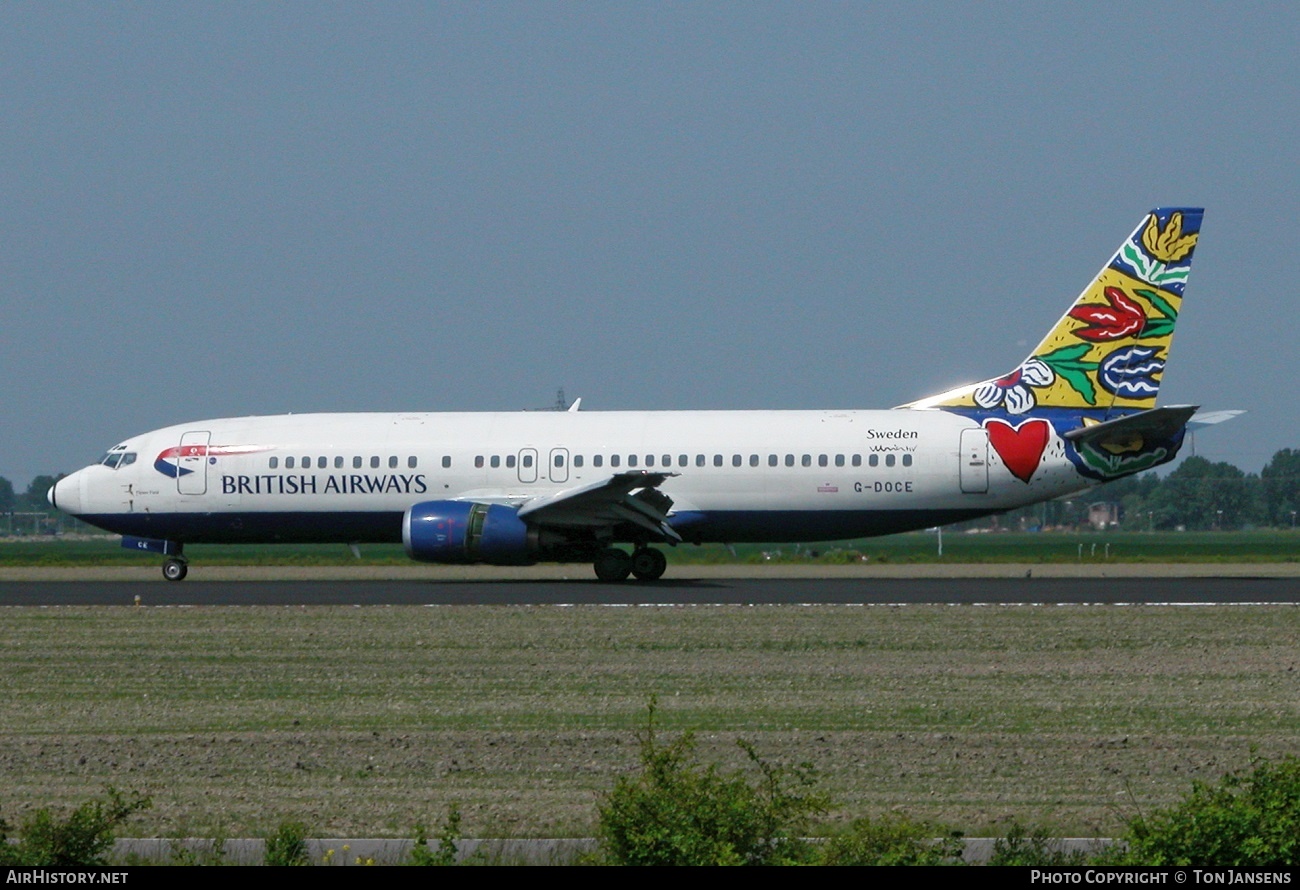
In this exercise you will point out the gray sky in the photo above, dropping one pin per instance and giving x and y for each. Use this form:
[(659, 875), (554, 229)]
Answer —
[(262, 208)]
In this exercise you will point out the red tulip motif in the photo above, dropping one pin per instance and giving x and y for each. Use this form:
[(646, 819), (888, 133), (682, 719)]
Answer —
[(1122, 319)]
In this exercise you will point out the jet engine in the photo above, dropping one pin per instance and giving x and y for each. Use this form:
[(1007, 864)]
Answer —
[(460, 531)]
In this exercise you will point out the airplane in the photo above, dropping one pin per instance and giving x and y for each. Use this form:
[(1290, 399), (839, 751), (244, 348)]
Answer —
[(516, 488)]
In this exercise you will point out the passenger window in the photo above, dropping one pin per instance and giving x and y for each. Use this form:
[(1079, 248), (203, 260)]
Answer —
[(275, 462), (874, 460), (306, 463), (613, 460), (753, 460), (839, 460), (559, 460), (495, 461), (597, 460), (806, 460), (577, 460), (821, 460), (682, 460), (649, 460), (717, 460), (322, 462), (668, 461), (510, 461), (907, 460), (374, 462), (699, 460), (478, 461), (736, 460), (392, 462), (288, 463), (338, 461), (631, 460), (857, 460), (528, 461), (789, 460), (446, 461), (411, 462), (772, 460), (356, 462)]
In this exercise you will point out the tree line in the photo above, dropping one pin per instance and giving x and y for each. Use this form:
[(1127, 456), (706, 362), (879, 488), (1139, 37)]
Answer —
[(30, 501), (1199, 495)]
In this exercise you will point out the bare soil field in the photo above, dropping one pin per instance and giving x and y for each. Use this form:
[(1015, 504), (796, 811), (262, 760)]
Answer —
[(363, 721)]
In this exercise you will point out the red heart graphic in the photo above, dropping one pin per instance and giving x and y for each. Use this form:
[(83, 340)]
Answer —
[(1021, 448)]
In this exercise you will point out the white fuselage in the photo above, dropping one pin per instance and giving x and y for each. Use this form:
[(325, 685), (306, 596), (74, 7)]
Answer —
[(737, 475)]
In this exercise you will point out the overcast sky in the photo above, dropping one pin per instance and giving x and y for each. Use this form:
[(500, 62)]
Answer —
[(262, 208)]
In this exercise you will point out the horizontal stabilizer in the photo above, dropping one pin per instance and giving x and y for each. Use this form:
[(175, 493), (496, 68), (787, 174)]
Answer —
[(1158, 424), (1210, 418)]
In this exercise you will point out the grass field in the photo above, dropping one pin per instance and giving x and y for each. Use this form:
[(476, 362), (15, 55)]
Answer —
[(363, 721), (1008, 547)]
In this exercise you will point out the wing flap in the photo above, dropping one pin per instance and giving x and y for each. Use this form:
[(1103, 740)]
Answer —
[(623, 497)]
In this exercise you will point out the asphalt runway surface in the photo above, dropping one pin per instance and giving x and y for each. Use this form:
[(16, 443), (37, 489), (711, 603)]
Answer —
[(741, 591)]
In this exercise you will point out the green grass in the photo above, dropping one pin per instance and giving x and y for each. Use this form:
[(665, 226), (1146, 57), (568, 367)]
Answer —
[(1051, 547), (1004, 547)]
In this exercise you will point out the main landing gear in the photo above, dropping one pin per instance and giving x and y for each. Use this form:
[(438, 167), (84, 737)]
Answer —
[(613, 565)]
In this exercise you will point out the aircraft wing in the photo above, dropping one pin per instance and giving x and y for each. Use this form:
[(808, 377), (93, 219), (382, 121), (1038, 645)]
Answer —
[(632, 497)]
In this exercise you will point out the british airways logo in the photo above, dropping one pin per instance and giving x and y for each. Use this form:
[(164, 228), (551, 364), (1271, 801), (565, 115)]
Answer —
[(172, 462)]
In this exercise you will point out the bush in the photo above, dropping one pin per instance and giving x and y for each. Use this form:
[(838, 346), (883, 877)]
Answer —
[(448, 836), (287, 845), (892, 840), (83, 838), (1036, 848), (677, 812), (1247, 819)]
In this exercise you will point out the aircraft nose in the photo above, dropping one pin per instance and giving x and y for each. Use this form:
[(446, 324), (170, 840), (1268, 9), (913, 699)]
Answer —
[(65, 494)]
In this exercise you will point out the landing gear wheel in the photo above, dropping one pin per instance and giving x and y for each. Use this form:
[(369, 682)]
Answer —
[(175, 569), (648, 564), (613, 565)]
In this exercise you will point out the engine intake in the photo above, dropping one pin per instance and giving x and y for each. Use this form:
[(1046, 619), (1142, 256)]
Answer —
[(461, 532)]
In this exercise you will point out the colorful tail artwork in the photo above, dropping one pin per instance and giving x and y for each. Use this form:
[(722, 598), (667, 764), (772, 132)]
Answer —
[(1095, 376)]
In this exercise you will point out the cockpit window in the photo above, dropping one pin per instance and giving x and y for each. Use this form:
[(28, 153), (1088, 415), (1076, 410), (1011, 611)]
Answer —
[(118, 457)]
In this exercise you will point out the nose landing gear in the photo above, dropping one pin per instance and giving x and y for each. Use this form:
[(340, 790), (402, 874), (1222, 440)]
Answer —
[(175, 569)]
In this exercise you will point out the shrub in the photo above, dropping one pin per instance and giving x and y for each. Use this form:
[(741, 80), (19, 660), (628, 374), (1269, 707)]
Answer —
[(1036, 848), (445, 852), (83, 838), (892, 840), (677, 812), (1247, 819), (287, 845)]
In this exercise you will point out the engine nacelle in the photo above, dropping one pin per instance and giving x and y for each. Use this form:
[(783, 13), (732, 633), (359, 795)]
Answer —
[(460, 531)]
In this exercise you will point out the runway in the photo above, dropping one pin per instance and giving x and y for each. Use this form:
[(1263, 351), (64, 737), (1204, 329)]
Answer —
[(739, 591)]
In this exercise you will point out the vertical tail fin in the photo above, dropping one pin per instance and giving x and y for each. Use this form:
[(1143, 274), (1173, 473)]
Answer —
[(1107, 354)]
